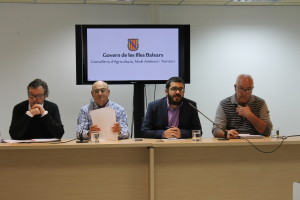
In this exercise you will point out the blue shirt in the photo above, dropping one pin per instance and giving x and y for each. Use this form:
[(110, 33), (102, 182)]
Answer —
[(84, 120)]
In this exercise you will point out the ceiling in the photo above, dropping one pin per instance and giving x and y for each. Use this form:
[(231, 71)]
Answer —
[(167, 2)]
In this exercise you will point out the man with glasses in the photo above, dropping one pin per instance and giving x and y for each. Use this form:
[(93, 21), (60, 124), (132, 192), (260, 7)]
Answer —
[(171, 116), (100, 93), (36, 117), (242, 113)]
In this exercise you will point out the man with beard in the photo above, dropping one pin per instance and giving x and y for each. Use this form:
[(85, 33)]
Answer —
[(100, 93), (171, 116), (242, 113), (36, 117)]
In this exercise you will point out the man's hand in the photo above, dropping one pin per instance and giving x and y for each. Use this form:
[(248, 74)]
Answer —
[(172, 132), (34, 111), (258, 123), (116, 128), (244, 111), (94, 128), (37, 109), (232, 134)]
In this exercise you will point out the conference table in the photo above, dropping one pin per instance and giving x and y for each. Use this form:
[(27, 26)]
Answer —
[(151, 169)]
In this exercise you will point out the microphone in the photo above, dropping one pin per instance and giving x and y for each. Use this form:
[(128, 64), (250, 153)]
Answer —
[(225, 131), (81, 140)]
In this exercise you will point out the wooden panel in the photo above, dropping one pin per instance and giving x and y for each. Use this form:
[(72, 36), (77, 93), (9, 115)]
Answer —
[(226, 172), (96, 173), (126, 169)]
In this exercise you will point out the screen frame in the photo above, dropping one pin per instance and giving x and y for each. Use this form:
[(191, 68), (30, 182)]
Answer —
[(81, 52)]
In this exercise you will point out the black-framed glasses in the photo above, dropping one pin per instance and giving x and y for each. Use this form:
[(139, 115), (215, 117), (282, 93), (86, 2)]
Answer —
[(102, 90), (38, 97), (175, 89), (246, 90)]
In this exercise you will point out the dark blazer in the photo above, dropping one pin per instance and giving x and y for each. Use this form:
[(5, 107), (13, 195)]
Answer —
[(23, 127), (156, 119)]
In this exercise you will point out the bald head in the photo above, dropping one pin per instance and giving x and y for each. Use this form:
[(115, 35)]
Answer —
[(244, 78), (100, 84), (243, 89), (100, 93)]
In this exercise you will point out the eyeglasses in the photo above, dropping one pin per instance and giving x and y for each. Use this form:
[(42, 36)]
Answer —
[(38, 97), (175, 89), (247, 90), (102, 90)]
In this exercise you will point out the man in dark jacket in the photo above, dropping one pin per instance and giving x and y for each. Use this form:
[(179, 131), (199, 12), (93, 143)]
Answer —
[(171, 116)]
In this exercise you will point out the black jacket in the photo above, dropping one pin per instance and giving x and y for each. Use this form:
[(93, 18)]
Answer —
[(156, 119)]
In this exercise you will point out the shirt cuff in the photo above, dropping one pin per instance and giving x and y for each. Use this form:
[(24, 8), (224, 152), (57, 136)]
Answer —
[(45, 113), (29, 114)]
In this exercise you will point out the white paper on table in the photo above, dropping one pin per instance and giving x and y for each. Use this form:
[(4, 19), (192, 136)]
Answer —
[(105, 119), (16, 141), (248, 136), (31, 141), (40, 140)]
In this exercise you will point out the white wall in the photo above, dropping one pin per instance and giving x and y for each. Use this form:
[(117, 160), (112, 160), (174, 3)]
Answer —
[(226, 41), (39, 41)]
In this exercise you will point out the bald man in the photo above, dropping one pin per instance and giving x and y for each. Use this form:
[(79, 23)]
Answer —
[(243, 112), (100, 93)]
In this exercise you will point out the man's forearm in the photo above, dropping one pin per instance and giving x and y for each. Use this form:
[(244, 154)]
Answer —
[(258, 124)]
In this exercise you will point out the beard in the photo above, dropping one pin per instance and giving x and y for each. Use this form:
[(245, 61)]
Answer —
[(175, 99)]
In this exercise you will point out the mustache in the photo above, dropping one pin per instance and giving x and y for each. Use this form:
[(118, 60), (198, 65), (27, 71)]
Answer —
[(176, 95)]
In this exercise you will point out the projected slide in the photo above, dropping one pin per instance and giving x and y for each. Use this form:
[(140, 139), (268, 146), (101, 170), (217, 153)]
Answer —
[(132, 54)]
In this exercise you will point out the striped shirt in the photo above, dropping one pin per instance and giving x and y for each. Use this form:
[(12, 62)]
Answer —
[(227, 118)]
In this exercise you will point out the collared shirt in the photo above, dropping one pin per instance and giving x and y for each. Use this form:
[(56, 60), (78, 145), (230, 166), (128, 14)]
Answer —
[(173, 115), (84, 120)]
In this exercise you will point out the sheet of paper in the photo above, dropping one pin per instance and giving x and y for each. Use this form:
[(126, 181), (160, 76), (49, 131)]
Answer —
[(31, 141), (46, 140), (16, 141), (248, 136), (105, 119)]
